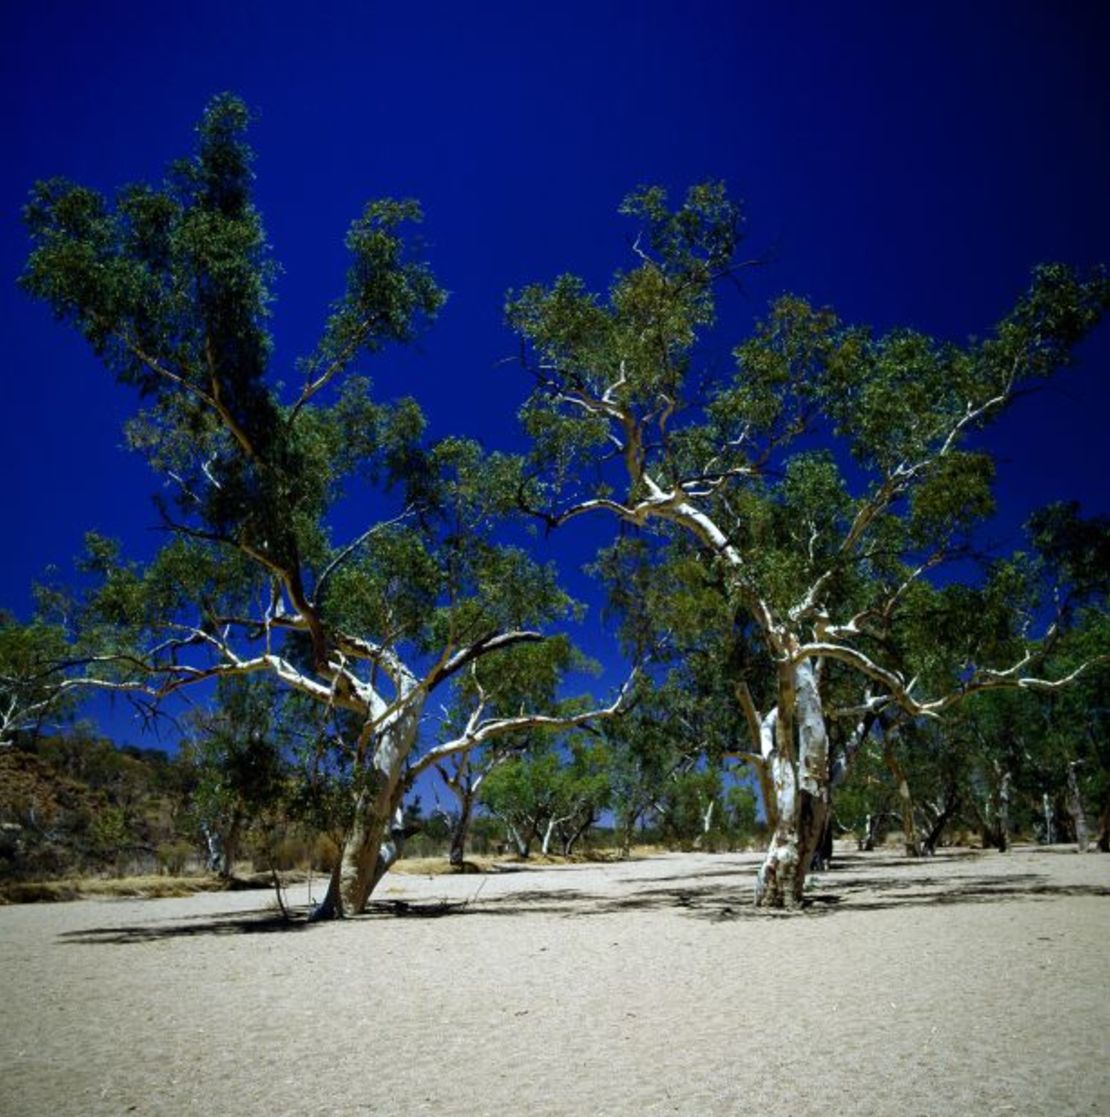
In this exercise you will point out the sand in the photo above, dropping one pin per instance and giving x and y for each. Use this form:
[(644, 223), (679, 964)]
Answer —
[(967, 984)]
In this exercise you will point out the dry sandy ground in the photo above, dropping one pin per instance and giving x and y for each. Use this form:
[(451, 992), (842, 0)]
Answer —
[(970, 984)]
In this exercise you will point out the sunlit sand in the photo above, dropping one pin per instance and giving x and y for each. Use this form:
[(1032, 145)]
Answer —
[(970, 983)]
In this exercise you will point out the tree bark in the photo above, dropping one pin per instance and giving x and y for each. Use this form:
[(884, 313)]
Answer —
[(461, 828), (576, 833), (214, 853), (801, 779), (1049, 825), (1004, 812), (894, 766), (706, 824), (230, 846), (943, 813), (521, 843), (1075, 805), (375, 835)]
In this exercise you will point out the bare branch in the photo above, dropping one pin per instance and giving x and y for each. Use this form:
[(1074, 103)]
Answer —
[(480, 730)]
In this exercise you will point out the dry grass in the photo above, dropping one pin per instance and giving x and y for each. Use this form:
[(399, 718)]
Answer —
[(438, 866), (153, 887), (83, 888)]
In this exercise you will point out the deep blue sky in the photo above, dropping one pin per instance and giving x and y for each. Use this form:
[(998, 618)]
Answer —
[(906, 164)]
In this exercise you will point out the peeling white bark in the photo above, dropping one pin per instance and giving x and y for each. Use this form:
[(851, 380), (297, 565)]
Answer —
[(801, 780)]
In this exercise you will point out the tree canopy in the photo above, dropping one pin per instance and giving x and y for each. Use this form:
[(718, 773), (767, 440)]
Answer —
[(171, 286), (817, 485)]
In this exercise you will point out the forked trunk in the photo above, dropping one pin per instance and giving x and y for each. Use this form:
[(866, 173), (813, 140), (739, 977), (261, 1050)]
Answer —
[(801, 782), (706, 823), (214, 849), (942, 815), (574, 835), (375, 835), (223, 848)]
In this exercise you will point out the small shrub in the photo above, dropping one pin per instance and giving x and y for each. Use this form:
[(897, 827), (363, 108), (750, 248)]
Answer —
[(173, 856)]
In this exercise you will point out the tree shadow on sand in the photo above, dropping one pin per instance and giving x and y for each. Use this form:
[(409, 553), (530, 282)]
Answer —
[(726, 899), (233, 923), (719, 902)]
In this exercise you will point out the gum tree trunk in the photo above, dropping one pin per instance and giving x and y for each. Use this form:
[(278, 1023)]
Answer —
[(459, 831), (909, 826), (574, 835), (522, 841), (705, 817), (942, 815), (801, 781), (375, 835), (548, 833), (1075, 805), (1049, 824), (1004, 812)]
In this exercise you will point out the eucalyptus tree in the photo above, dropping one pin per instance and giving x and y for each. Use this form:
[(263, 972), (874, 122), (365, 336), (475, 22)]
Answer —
[(171, 286), (237, 755), (529, 679), (30, 693), (556, 790), (522, 794), (626, 421), (696, 716)]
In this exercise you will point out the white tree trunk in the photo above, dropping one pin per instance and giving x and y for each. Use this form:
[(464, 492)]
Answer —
[(801, 787), (522, 843), (552, 824), (1004, 812), (1049, 825), (374, 838), (707, 818)]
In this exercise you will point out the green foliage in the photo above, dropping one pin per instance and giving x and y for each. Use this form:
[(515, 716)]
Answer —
[(563, 790), (237, 759), (620, 421), (76, 804), (172, 285), (386, 295), (1076, 550), (30, 658)]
